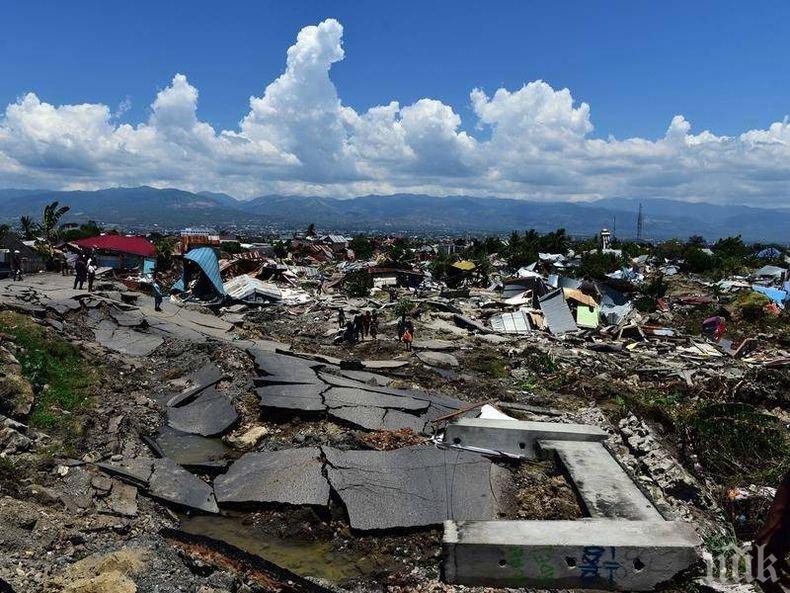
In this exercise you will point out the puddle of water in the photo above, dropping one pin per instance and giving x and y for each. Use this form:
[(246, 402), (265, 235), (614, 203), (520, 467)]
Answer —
[(190, 449), (305, 558)]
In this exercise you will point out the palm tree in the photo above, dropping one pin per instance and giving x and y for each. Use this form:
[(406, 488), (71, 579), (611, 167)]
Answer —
[(29, 227), (50, 219), (50, 229)]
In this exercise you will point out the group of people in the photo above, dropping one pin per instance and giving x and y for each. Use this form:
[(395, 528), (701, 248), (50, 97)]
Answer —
[(85, 270), (360, 327)]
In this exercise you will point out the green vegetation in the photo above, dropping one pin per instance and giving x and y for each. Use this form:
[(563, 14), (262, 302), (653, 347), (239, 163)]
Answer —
[(358, 283), (738, 443), (735, 442), (361, 246), (403, 307), (61, 379), (74, 232), (489, 363), (164, 251)]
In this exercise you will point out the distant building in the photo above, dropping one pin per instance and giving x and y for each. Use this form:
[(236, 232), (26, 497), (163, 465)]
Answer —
[(199, 237), (606, 237)]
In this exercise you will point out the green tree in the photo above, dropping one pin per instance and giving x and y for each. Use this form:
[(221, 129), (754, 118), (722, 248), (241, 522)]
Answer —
[(50, 221), (29, 227), (358, 283), (281, 248), (164, 250), (361, 246)]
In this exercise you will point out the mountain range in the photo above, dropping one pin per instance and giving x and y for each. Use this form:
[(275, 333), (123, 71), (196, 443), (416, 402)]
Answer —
[(149, 208)]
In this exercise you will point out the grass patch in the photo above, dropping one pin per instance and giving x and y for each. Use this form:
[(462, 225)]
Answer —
[(738, 443), (661, 407), (488, 363), (62, 380)]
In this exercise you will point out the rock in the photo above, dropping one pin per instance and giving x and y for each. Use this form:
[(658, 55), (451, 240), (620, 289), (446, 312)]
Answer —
[(12, 441), (250, 437), (104, 573), (16, 394), (438, 359)]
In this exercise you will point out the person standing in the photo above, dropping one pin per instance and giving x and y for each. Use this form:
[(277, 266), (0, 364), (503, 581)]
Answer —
[(357, 327), (341, 318), (91, 273), (366, 324), (80, 272), (16, 266), (374, 325), (157, 290)]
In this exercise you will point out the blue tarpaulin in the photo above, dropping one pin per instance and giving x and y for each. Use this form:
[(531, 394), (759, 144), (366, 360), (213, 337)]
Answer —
[(776, 295), (206, 260)]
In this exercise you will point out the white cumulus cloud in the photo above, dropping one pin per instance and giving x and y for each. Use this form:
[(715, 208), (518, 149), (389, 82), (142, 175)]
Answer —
[(534, 142)]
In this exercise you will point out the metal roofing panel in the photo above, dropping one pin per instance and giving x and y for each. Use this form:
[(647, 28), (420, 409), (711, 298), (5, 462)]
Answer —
[(556, 312), (511, 323), (206, 259)]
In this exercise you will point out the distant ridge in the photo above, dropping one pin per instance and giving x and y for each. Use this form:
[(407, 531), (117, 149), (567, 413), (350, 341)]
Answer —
[(144, 207)]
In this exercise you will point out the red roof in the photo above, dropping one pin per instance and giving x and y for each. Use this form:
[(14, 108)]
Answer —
[(121, 243)]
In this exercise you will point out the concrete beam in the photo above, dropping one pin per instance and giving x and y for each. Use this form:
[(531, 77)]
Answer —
[(516, 437), (604, 488), (586, 554)]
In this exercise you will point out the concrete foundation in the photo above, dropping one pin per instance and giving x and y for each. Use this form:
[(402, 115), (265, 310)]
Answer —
[(585, 554), (516, 437), (604, 488)]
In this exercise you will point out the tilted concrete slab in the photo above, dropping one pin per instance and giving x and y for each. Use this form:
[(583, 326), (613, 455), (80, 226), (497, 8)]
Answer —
[(199, 380), (209, 413), (344, 396), (601, 483), (516, 437), (586, 554), (299, 397), (283, 368), (416, 486), (291, 476), (165, 480), (371, 418)]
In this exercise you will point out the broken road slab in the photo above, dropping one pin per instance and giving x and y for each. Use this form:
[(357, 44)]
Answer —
[(416, 486), (299, 397), (600, 554), (165, 480), (438, 359), (343, 396), (291, 476), (209, 414)]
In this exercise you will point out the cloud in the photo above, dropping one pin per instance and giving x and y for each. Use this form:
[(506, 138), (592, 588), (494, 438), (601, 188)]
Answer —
[(534, 142)]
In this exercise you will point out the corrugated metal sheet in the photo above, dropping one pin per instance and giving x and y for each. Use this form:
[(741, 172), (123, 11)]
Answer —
[(249, 289), (556, 312), (511, 323), (206, 259)]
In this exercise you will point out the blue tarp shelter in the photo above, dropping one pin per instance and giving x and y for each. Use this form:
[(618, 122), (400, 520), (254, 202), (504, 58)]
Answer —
[(206, 265), (776, 295), (769, 253)]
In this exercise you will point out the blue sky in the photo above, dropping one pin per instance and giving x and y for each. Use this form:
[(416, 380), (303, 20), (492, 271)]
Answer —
[(721, 64), (660, 73)]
